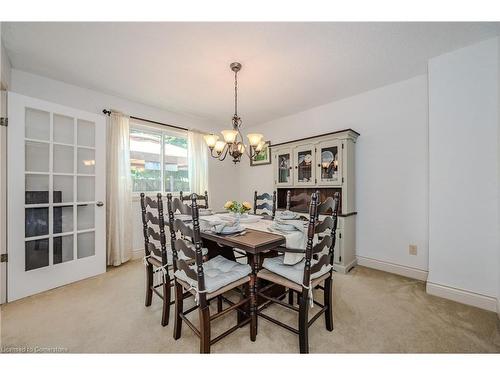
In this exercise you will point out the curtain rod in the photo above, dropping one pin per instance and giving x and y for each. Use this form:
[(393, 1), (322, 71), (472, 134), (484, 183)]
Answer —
[(107, 112)]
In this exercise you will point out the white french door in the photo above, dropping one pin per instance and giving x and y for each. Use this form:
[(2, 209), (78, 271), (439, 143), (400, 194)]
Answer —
[(56, 194)]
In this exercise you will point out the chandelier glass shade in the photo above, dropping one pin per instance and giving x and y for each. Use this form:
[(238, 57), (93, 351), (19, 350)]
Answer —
[(232, 142)]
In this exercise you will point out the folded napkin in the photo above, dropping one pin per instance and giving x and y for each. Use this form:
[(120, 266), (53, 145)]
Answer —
[(290, 225), (287, 214)]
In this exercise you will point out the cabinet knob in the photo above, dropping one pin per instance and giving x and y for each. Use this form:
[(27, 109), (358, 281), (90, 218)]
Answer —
[(99, 204)]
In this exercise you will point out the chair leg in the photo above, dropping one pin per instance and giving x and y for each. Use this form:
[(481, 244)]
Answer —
[(204, 330), (253, 309), (327, 298), (149, 285), (166, 302), (179, 305), (303, 323), (219, 303), (290, 296)]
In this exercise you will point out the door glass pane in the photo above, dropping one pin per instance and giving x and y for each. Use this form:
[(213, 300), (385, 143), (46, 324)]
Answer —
[(63, 219), (85, 245), (63, 249), (304, 166), (85, 188), (63, 129), (329, 163), (63, 159), (63, 189), (145, 156), (37, 254), (36, 188), (85, 216), (175, 163), (86, 131), (37, 125), (86, 160), (284, 168), (36, 222), (36, 157)]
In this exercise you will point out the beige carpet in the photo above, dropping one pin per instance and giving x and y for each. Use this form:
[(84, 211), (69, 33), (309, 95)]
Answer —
[(374, 312)]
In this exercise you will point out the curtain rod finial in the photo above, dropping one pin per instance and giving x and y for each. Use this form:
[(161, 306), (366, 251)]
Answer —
[(106, 111)]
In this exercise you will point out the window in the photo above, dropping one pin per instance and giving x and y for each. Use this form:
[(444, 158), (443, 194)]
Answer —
[(150, 171)]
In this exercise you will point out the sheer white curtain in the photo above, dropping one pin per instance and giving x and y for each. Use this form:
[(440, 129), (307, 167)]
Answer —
[(198, 162), (118, 191)]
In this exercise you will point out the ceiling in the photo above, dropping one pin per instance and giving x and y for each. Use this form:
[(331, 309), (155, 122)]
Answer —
[(184, 67)]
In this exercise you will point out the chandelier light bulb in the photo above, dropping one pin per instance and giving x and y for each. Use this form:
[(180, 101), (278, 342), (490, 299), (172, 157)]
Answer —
[(219, 146), (254, 139), (229, 135), (211, 140)]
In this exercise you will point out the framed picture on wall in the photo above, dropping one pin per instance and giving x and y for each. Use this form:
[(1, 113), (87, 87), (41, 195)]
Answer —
[(264, 157)]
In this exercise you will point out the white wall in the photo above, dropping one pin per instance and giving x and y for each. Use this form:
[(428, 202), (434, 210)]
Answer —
[(93, 101), (464, 161), (5, 67), (391, 165)]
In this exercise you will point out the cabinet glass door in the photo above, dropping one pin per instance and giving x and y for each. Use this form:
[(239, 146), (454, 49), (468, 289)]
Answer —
[(304, 165), (329, 163), (283, 168)]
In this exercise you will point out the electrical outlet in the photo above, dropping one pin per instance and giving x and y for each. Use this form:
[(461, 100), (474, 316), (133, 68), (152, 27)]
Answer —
[(412, 249)]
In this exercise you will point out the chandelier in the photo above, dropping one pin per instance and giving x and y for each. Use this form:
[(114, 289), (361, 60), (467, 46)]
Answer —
[(233, 139)]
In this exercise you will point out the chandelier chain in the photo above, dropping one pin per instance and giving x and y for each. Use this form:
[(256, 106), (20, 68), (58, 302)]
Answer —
[(236, 94)]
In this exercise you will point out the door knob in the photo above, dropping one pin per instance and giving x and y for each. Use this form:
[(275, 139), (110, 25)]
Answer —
[(99, 204)]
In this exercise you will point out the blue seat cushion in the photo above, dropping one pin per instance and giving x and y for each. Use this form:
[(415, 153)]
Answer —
[(218, 272), (294, 272)]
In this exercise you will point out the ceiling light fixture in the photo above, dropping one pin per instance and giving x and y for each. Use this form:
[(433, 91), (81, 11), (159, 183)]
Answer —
[(233, 139)]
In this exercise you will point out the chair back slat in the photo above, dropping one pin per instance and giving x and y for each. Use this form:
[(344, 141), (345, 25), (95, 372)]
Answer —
[(153, 226), (153, 234), (186, 248), (191, 250), (325, 225), (182, 265), (150, 217), (151, 203), (153, 249), (204, 197), (319, 247), (322, 261), (180, 226), (327, 241), (266, 206), (264, 196)]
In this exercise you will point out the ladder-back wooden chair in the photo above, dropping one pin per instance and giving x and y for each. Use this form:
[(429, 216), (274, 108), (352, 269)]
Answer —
[(205, 280), (315, 269), (187, 198), (264, 208), (156, 259)]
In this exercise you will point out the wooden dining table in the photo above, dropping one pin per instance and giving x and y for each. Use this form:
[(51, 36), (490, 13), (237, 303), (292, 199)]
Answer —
[(255, 243)]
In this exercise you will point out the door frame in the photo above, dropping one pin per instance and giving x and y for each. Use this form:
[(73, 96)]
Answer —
[(45, 278), (3, 195)]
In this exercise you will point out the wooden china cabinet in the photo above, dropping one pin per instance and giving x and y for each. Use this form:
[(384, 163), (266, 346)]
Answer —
[(323, 163)]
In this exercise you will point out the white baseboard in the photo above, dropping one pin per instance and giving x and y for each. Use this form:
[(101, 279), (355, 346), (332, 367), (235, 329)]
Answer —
[(463, 296), (413, 273), (344, 269)]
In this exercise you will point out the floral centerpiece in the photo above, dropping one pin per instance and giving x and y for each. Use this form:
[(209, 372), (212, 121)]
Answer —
[(238, 208)]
